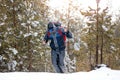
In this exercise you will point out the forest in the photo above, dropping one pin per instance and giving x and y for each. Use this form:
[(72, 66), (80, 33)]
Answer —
[(23, 23)]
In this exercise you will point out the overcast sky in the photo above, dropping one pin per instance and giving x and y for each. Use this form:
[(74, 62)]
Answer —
[(85, 3)]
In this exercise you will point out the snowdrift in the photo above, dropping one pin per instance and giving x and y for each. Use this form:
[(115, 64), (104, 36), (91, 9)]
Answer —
[(102, 73)]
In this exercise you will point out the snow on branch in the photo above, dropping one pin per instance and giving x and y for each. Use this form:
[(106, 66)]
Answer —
[(13, 50)]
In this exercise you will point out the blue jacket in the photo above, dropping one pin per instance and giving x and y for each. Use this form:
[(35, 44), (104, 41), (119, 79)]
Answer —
[(60, 34)]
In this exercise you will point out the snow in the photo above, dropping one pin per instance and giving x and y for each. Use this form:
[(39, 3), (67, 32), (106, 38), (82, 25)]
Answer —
[(76, 46), (23, 24), (12, 65), (2, 24), (12, 1), (0, 44), (20, 17), (13, 50), (35, 34), (102, 73), (29, 34), (105, 28), (1, 58), (35, 23)]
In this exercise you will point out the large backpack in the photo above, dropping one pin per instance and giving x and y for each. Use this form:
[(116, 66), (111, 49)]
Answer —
[(56, 32), (59, 31)]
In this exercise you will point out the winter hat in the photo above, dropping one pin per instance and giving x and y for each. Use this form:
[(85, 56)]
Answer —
[(50, 25), (57, 24)]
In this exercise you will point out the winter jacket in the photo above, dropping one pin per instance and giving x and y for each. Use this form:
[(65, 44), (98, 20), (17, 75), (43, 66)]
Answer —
[(60, 34)]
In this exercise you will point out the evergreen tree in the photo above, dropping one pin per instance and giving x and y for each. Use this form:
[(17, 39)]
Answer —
[(104, 32), (20, 25)]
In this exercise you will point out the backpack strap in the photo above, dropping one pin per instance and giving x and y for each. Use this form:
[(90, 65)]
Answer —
[(54, 37), (60, 32), (64, 36), (48, 33)]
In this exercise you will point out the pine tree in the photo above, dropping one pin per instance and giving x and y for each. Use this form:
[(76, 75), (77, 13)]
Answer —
[(104, 32), (21, 23)]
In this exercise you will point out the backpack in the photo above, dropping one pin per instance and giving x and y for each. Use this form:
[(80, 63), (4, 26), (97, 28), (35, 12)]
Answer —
[(59, 31), (56, 32)]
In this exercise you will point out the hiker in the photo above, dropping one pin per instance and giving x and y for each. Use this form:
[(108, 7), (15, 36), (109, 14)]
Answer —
[(56, 34)]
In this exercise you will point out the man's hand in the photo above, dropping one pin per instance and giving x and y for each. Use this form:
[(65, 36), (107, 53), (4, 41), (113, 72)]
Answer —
[(44, 42), (65, 29)]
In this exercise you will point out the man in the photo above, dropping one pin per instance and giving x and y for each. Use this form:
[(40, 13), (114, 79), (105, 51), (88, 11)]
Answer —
[(57, 35)]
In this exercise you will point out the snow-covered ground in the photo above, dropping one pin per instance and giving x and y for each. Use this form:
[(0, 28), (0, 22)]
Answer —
[(102, 73)]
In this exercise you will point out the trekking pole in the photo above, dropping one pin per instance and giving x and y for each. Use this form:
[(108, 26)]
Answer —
[(45, 58), (44, 54), (68, 25)]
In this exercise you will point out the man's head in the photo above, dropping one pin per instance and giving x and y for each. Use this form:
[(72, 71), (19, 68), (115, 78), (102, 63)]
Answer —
[(57, 24), (54, 24), (50, 25)]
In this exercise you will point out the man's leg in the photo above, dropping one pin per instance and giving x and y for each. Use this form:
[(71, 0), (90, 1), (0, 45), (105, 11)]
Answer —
[(54, 57), (61, 61)]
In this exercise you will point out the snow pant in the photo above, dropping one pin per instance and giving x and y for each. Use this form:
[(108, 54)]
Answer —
[(58, 60)]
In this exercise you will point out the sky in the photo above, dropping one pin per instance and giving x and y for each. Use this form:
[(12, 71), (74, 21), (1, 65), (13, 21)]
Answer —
[(102, 73), (62, 6), (85, 3)]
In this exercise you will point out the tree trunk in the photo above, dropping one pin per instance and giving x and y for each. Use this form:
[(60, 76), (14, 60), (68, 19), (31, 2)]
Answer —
[(97, 38), (29, 52), (102, 35), (101, 57), (14, 21)]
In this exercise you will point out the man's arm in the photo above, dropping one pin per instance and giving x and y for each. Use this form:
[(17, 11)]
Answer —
[(67, 33), (45, 38)]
